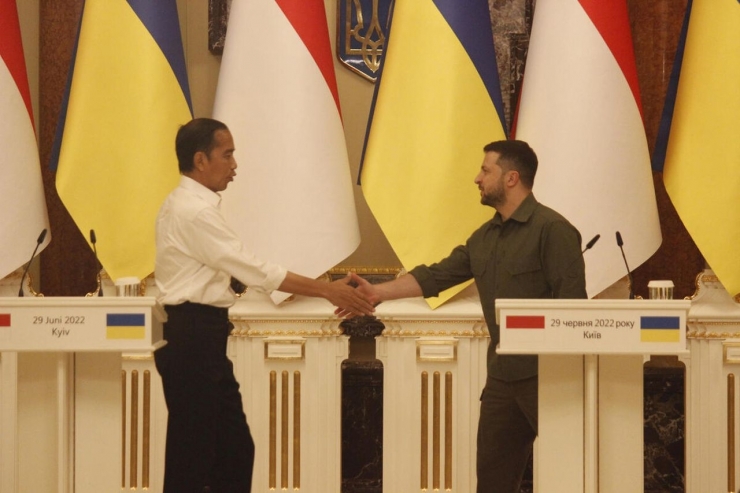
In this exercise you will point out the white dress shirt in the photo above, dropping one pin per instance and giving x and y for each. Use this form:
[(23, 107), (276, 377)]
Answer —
[(197, 253)]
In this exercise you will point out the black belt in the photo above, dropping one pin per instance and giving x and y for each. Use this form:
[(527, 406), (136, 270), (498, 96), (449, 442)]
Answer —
[(198, 308)]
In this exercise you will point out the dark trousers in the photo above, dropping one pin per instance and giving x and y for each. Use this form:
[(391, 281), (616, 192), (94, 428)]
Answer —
[(506, 432), (209, 446)]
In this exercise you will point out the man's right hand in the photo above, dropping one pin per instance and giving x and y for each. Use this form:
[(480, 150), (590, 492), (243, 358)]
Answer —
[(351, 302)]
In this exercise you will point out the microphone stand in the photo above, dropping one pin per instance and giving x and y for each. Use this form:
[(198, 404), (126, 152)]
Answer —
[(629, 272), (39, 241)]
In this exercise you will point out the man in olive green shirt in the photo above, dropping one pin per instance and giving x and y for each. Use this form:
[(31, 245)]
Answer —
[(526, 251)]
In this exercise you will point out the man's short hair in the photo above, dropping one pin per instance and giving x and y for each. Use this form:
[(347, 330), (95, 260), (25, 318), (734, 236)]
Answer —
[(195, 136), (516, 155)]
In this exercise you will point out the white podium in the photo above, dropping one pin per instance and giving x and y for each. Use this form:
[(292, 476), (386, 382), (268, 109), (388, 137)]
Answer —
[(590, 384), (434, 368), (89, 335), (288, 360)]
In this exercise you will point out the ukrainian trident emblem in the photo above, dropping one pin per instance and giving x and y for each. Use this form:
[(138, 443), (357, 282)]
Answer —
[(361, 34)]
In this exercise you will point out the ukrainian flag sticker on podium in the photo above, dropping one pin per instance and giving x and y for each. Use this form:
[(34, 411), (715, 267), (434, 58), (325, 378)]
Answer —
[(660, 329), (125, 326)]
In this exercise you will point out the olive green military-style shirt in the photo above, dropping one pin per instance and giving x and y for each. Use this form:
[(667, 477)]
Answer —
[(536, 253)]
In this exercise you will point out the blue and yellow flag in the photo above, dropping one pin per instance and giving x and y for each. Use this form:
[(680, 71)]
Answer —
[(660, 329), (438, 102), (114, 153), (702, 160), (125, 326)]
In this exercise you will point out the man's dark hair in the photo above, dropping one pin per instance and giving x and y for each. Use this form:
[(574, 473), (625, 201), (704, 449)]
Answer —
[(518, 156), (195, 136)]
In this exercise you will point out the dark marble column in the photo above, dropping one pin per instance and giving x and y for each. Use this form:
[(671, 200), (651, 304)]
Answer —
[(68, 267), (362, 409), (665, 422)]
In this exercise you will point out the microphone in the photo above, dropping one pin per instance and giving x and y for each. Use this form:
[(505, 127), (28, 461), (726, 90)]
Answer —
[(28, 265), (591, 243), (94, 240), (629, 272)]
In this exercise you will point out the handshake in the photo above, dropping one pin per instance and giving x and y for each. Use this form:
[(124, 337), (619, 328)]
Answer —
[(353, 296)]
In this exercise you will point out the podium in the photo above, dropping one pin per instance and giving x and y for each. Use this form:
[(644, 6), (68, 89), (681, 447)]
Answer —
[(88, 335), (590, 383)]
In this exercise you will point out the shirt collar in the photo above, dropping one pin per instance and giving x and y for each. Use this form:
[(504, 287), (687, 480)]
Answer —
[(521, 214), (200, 190)]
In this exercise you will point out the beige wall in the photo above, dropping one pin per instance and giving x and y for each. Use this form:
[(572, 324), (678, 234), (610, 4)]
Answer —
[(355, 97)]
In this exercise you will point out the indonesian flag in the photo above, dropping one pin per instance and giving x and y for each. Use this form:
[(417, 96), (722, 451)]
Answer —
[(580, 111), (22, 204), (292, 200)]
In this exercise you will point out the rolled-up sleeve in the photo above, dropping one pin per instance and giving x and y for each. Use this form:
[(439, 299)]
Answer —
[(446, 273), (220, 248)]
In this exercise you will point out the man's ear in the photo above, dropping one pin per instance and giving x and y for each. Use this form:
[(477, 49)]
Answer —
[(513, 178), (199, 160)]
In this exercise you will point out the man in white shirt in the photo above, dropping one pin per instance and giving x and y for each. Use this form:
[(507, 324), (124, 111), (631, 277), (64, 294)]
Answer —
[(209, 446)]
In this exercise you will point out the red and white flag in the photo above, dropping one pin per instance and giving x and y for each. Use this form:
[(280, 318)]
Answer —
[(22, 203), (580, 111), (292, 200)]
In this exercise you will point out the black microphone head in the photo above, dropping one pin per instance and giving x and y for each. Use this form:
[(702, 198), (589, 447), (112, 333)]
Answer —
[(592, 242), (93, 240), (619, 240), (41, 237)]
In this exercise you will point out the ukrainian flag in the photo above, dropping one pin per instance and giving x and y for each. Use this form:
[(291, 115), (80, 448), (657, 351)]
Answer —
[(437, 103), (660, 329), (114, 153), (700, 123), (125, 326)]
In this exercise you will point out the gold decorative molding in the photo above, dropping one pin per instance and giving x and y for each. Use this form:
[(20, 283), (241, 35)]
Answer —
[(146, 434), (321, 327), (123, 428), (439, 350), (418, 333), (297, 333), (424, 452), (134, 432), (438, 429), (436, 421), (296, 430), (137, 357), (284, 430), (448, 431), (731, 432), (272, 450), (382, 271), (731, 353), (703, 279), (479, 331), (285, 349), (705, 334)]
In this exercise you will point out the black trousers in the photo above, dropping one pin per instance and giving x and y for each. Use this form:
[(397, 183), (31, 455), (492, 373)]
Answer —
[(506, 432), (209, 446)]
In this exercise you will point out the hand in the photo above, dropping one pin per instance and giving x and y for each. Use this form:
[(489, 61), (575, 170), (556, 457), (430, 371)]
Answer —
[(365, 289), (351, 302), (368, 290)]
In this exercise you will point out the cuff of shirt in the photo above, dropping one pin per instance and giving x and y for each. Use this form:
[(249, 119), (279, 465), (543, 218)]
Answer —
[(424, 277), (275, 278)]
